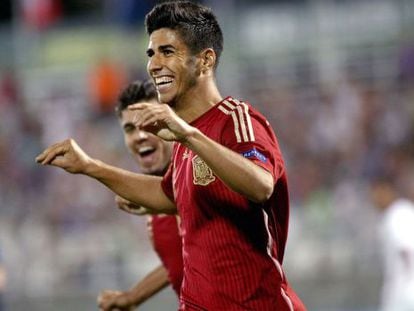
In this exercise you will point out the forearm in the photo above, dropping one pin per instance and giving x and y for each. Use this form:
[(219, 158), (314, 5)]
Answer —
[(240, 174), (154, 282), (140, 189)]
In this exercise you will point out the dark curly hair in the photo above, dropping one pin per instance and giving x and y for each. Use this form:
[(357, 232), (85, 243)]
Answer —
[(196, 24), (137, 91)]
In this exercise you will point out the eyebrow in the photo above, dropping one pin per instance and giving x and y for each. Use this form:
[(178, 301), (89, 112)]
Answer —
[(150, 51), (166, 46)]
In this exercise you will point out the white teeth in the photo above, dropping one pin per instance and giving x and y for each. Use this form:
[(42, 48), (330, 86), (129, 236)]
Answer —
[(144, 149), (164, 79)]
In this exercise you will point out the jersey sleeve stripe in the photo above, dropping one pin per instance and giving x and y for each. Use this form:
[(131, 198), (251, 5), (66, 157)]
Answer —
[(235, 122), (242, 120), (246, 116), (228, 104), (243, 124), (223, 110), (249, 121)]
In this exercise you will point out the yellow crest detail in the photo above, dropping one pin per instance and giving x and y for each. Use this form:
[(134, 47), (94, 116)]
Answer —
[(202, 174)]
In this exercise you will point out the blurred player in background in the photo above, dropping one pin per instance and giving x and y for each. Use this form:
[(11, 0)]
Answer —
[(228, 178), (397, 241), (2, 282), (152, 155)]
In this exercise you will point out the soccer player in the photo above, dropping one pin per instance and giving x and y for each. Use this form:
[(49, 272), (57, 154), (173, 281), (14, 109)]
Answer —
[(227, 180), (397, 239), (152, 154)]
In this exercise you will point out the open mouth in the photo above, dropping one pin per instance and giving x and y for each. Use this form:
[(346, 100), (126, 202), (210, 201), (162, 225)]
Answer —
[(146, 151), (163, 82)]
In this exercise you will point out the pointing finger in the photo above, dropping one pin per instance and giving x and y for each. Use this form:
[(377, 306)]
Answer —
[(43, 154), (52, 154), (40, 157)]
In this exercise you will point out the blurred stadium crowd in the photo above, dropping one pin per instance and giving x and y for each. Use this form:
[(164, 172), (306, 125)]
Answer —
[(335, 80)]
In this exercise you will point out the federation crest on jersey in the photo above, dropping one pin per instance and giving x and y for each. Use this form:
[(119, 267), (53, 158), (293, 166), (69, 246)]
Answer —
[(202, 174)]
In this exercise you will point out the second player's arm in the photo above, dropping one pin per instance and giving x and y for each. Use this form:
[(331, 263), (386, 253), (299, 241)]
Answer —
[(150, 285)]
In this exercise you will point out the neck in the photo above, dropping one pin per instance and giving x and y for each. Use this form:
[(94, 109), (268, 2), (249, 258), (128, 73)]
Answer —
[(198, 100)]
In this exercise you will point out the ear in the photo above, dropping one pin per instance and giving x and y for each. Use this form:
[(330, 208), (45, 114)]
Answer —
[(208, 60)]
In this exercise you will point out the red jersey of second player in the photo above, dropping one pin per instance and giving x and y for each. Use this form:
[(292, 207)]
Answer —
[(168, 245), (232, 248)]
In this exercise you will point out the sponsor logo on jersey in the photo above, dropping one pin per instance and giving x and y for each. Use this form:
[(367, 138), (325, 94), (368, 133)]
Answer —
[(254, 153), (202, 174)]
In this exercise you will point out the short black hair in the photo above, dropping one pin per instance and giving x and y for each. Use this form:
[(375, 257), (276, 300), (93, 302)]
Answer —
[(137, 91), (196, 24)]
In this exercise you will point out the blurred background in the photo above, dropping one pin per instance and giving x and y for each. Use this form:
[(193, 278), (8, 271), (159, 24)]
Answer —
[(334, 77)]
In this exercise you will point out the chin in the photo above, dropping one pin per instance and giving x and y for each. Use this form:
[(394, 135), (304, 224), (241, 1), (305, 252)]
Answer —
[(165, 99)]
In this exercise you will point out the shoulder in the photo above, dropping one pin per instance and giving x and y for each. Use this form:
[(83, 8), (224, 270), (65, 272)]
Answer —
[(400, 216), (231, 105), (243, 117)]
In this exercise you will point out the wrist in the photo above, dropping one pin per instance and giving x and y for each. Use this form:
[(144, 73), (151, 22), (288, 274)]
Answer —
[(191, 137), (134, 298), (92, 167)]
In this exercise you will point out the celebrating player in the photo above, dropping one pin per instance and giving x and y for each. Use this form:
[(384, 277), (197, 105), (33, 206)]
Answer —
[(152, 155), (227, 180)]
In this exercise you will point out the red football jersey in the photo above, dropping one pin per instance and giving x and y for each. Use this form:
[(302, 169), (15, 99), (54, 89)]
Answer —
[(168, 245), (232, 248)]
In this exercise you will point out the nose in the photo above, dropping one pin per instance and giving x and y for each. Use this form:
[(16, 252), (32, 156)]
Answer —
[(141, 135), (137, 136), (154, 64)]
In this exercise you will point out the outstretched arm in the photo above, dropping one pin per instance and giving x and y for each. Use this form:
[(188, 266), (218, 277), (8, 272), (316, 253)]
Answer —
[(150, 285), (237, 172), (138, 188), (131, 208)]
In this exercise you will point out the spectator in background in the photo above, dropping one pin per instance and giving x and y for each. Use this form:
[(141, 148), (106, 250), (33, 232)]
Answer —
[(397, 240), (106, 80), (2, 282), (152, 155)]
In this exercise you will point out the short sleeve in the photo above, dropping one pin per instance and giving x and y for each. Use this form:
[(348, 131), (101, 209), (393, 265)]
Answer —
[(249, 134), (166, 183)]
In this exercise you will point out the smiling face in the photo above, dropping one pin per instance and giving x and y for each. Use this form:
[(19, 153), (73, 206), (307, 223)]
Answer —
[(172, 67), (150, 152)]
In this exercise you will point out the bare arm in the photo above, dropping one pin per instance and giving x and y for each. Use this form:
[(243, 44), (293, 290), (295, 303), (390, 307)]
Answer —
[(138, 188), (150, 285), (134, 209), (237, 172)]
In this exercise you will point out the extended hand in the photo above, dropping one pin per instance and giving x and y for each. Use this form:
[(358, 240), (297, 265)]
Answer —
[(110, 300), (67, 155), (129, 207), (162, 121)]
